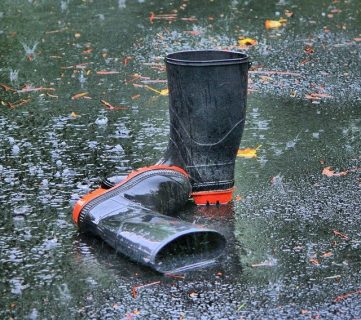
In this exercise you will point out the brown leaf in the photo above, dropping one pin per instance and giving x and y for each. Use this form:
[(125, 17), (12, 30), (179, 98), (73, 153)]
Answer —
[(308, 50), (6, 87)]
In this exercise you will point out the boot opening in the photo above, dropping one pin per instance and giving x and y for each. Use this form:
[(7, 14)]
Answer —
[(190, 251), (206, 57)]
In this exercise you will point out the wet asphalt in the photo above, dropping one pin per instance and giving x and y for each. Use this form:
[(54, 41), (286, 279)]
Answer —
[(294, 234)]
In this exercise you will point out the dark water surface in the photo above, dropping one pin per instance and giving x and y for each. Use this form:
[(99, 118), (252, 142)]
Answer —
[(294, 234)]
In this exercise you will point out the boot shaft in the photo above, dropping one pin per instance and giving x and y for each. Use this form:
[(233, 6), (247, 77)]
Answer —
[(207, 105)]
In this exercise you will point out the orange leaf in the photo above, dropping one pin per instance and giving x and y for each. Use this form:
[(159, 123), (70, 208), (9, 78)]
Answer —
[(248, 152), (331, 173), (275, 24), (74, 115), (247, 42)]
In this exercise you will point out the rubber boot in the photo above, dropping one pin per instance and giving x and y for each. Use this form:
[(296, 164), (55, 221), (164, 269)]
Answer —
[(127, 217), (207, 106)]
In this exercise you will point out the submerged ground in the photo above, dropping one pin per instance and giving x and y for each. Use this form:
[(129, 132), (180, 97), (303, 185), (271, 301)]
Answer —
[(294, 232)]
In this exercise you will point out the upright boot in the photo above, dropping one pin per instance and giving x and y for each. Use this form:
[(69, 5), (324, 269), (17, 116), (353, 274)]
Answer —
[(207, 106)]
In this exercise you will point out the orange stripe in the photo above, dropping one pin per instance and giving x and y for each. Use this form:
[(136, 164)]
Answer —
[(202, 198), (98, 192)]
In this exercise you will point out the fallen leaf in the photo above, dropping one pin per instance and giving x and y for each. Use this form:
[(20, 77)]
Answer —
[(136, 288), (29, 88), (136, 96), (74, 115), (193, 32), (151, 17), (248, 152), (308, 50), (247, 42), (6, 87), (126, 60), (346, 295), (327, 171), (77, 35), (104, 72), (238, 198), (356, 39), (193, 294), (289, 13), (52, 95), (340, 234), (79, 95), (314, 261), (327, 254), (111, 107), (275, 24), (163, 92)]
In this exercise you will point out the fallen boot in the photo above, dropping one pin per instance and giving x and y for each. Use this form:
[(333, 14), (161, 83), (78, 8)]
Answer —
[(207, 106), (127, 217)]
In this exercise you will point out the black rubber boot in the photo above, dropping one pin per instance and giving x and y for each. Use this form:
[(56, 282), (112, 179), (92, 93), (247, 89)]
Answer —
[(127, 216), (207, 105)]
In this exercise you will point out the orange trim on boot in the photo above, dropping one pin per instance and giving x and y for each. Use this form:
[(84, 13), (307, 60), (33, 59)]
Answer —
[(203, 198), (98, 192)]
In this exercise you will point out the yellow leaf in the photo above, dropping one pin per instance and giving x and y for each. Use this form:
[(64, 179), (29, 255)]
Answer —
[(247, 42), (275, 24), (74, 115), (248, 152), (163, 92)]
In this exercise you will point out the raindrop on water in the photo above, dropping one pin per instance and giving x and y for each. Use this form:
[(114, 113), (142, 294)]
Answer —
[(101, 121)]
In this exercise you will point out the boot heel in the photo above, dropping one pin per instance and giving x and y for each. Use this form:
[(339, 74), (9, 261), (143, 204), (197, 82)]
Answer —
[(214, 197)]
